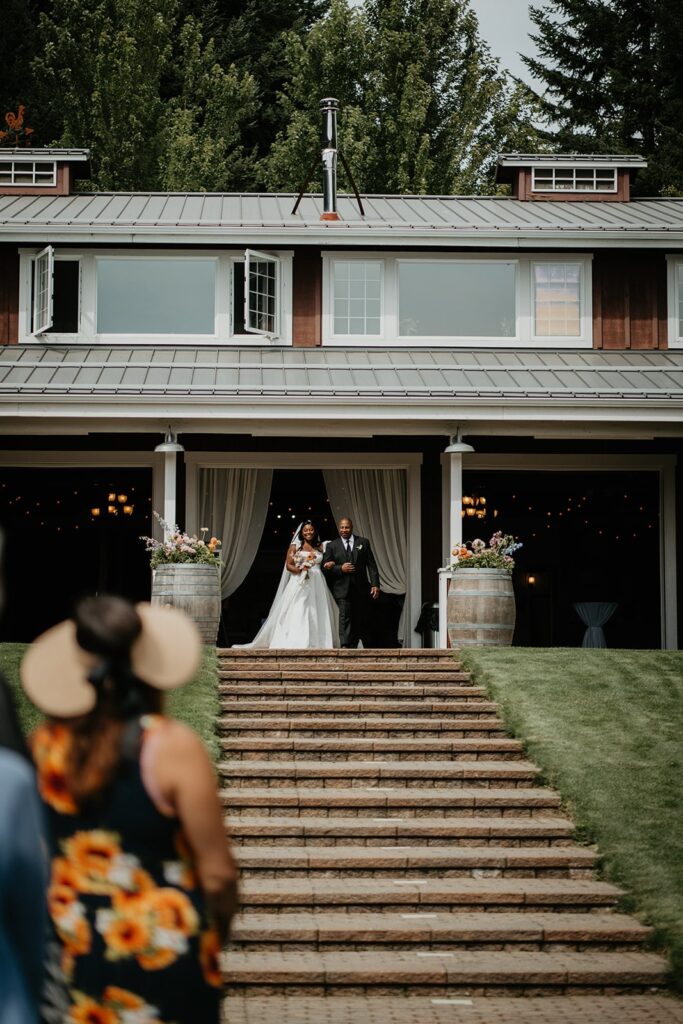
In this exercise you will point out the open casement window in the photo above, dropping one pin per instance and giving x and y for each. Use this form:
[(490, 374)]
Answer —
[(261, 293), (43, 286)]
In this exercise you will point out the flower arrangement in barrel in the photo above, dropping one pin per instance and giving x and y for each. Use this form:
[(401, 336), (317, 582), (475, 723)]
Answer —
[(477, 554), (178, 546)]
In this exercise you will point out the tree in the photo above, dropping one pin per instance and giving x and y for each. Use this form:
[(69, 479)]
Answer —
[(613, 81), (424, 106), (203, 127), (101, 68)]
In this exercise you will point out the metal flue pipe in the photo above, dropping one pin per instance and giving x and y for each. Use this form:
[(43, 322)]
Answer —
[(329, 109)]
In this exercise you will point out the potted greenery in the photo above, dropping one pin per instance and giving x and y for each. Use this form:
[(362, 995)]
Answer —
[(186, 574), (481, 601)]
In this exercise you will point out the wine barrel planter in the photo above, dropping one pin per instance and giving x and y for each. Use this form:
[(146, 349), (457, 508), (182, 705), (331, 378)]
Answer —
[(481, 608), (196, 589)]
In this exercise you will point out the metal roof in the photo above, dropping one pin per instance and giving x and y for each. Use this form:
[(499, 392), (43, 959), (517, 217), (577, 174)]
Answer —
[(368, 375), (44, 153), (574, 159), (219, 219)]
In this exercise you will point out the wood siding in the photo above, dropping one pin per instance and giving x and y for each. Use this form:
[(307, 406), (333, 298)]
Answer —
[(629, 300), (62, 188), (307, 298), (9, 296), (521, 189)]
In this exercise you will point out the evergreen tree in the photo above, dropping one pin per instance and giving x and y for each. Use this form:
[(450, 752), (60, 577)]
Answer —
[(424, 106), (17, 49), (100, 69), (203, 126), (613, 80)]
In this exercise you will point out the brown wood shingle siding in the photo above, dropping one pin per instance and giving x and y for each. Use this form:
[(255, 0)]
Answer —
[(307, 298), (9, 296), (629, 300)]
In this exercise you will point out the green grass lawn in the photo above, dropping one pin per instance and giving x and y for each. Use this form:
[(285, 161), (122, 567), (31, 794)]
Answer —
[(195, 704), (606, 728)]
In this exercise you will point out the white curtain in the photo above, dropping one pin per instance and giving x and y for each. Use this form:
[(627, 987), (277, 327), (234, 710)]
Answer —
[(233, 504), (376, 500)]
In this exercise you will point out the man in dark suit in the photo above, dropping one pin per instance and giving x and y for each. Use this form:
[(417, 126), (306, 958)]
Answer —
[(349, 566)]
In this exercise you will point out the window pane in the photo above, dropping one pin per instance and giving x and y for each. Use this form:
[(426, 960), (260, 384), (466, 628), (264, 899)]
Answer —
[(262, 289), (156, 296), (457, 300), (357, 297), (66, 296), (557, 300)]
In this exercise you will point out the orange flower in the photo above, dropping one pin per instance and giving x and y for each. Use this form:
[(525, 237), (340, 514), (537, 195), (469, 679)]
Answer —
[(93, 852), (53, 787), (60, 898), (77, 939), (158, 960), (209, 949), (134, 901), (64, 873), (125, 936), (173, 910), (87, 1011), (123, 998)]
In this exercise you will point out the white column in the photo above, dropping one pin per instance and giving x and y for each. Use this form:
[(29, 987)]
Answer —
[(170, 512), (452, 506), (455, 503)]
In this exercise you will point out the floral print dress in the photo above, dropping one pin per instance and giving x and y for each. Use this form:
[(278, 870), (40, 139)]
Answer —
[(125, 900)]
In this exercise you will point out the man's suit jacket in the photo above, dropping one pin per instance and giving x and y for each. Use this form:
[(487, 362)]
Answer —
[(341, 583)]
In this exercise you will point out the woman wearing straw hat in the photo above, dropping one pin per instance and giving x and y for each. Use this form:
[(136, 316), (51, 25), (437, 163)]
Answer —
[(143, 884)]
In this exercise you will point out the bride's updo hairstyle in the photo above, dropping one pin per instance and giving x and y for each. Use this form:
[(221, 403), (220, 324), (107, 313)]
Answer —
[(315, 540), (107, 627)]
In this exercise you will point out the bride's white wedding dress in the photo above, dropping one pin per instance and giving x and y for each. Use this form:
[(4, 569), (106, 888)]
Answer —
[(304, 613)]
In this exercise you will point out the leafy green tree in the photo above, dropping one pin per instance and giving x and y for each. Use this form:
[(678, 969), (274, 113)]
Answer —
[(17, 49), (203, 127), (424, 105), (101, 68), (613, 81)]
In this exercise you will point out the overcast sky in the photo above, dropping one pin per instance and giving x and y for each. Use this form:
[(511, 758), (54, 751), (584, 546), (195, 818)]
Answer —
[(505, 25)]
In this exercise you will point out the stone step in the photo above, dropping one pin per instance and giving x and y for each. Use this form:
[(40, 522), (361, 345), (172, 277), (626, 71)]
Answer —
[(368, 725), (377, 708), (359, 774), (535, 832), (397, 749), (325, 674), (384, 654), (463, 1009), (258, 690), (395, 803), (436, 973), (537, 932), (408, 862), (403, 895)]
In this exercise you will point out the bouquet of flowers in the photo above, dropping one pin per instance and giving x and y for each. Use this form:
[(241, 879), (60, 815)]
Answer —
[(303, 561), (180, 547), (477, 555)]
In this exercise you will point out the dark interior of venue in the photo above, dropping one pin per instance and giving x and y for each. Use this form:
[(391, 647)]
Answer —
[(589, 537), (68, 533)]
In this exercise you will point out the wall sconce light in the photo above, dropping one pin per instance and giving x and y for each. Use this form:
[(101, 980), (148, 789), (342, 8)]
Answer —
[(531, 580)]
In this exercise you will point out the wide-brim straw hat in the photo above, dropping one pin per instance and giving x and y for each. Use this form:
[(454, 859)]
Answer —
[(54, 672)]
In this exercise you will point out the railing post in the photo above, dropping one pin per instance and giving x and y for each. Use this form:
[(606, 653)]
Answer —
[(444, 576)]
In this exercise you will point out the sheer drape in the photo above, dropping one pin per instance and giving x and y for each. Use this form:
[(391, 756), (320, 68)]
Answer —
[(377, 502), (594, 615), (233, 504)]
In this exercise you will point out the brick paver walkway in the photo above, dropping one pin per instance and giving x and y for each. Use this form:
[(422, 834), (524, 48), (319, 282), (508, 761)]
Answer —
[(400, 861)]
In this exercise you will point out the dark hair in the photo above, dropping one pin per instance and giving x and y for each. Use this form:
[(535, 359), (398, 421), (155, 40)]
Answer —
[(108, 627), (316, 537)]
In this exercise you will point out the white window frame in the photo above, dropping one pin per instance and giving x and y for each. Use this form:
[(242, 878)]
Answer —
[(524, 335), (255, 256), (598, 172), (88, 334), (22, 166), (674, 295), (41, 312)]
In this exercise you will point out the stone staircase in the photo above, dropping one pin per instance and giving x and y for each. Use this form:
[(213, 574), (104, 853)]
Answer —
[(399, 855)]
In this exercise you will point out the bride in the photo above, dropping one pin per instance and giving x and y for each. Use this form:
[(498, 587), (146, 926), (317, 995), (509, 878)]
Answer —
[(304, 613)]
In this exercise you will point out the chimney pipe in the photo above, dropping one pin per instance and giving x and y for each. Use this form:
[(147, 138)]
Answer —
[(329, 109)]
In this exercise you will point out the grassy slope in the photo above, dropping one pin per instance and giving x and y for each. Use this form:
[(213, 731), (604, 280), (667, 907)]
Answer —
[(195, 704), (606, 728)]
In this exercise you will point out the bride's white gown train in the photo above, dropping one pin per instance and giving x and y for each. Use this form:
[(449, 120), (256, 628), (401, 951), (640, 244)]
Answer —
[(303, 615)]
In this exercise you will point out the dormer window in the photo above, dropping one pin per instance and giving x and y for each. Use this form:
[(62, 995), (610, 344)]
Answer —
[(574, 179), (28, 172)]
